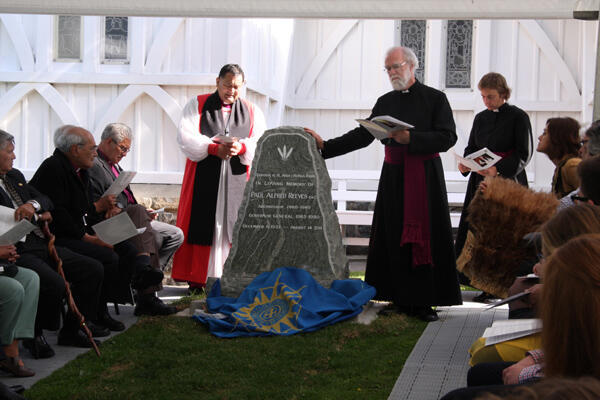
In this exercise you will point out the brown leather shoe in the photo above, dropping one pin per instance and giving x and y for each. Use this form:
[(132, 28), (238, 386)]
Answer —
[(14, 366)]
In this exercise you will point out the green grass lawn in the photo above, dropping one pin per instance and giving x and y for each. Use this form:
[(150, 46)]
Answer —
[(176, 358)]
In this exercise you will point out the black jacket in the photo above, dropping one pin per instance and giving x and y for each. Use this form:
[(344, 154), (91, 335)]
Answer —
[(56, 177)]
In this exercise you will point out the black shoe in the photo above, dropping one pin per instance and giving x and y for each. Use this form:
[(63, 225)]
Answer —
[(109, 322), (38, 347), (147, 277), (76, 338), (97, 330), (484, 297), (149, 304), (7, 393), (426, 314)]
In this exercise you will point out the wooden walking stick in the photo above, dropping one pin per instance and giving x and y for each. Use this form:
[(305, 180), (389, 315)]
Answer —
[(70, 301)]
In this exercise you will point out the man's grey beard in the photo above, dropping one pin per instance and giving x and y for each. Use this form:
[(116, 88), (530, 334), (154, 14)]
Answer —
[(400, 82)]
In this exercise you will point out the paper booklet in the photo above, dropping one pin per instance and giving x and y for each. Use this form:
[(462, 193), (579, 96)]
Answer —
[(481, 159), (12, 231), (116, 229), (381, 126), (119, 184), (509, 329)]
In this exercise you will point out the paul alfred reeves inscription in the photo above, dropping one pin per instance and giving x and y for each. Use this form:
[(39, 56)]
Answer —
[(287, 217)]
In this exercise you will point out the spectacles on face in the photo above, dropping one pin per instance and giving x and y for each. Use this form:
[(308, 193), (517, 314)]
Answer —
[(395, 67), (584, 142), (123, 149)]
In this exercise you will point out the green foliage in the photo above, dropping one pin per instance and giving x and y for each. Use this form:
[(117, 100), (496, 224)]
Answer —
[(176, 358)]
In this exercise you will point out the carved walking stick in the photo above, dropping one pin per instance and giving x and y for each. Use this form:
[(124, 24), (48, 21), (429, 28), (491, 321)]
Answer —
[(70, 301)]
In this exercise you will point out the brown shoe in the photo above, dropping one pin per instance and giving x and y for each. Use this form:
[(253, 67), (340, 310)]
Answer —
[(15, 366)]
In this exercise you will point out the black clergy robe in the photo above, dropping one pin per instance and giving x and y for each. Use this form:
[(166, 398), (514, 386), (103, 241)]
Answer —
[(390, 266), (506, 132)]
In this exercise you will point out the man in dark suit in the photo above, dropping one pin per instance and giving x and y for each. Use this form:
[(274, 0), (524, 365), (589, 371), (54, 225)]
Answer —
[(84, 274), (64, 178), (160, 240)]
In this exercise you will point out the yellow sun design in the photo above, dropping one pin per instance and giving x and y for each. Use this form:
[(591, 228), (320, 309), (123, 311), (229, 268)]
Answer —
[(275, 309)]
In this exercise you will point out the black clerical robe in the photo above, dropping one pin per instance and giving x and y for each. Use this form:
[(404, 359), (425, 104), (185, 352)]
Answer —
[(390, 265), (506, 132)]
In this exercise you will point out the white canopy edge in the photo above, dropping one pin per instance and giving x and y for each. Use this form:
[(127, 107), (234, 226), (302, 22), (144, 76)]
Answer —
[(355, 9)]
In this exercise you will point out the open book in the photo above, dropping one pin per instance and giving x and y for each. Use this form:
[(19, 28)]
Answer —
[(119, 184), (509, 329), (116, 229), (481, 159), (12, 231), (381, 126)]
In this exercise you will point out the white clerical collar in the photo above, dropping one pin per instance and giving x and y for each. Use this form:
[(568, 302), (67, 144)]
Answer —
[(496, 110), (405, 91)]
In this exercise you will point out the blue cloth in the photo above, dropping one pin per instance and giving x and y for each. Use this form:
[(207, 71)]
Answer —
[(284, 302)]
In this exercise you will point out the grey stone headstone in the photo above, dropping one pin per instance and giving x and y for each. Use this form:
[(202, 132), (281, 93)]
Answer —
[(287, 217)]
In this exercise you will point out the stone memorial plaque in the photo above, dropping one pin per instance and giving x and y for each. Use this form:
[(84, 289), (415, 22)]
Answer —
[(286, 218)]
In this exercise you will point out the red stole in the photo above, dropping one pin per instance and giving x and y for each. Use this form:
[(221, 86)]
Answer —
[(415, 228)]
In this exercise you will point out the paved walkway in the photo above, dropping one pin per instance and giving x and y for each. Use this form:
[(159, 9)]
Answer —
[(440, 360)]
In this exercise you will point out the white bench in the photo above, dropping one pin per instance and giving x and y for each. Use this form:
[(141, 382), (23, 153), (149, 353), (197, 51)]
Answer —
[(361, 186)]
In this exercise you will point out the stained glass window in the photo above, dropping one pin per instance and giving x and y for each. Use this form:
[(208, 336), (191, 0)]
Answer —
[(413, 35), (459, 53), (115, 39), (68, 43)]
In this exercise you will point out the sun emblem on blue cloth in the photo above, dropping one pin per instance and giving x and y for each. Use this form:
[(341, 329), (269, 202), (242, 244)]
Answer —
[(275, 309)]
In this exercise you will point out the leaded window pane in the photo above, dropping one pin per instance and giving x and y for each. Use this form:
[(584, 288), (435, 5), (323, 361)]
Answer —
[(115, 38), (69, 37), (413, 35), (459, 53)]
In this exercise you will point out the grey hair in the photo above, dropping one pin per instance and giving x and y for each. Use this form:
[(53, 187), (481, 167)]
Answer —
[(5, 139), (593, 134), (64, 138), (409, 55), (117, 132)]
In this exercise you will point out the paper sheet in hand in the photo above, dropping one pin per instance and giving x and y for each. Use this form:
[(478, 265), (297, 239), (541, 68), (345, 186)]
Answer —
[(509, 329), (159, 211), (12, 231), (381, 126), (119, 184), (508, 300), (481, 159), (116, 229)]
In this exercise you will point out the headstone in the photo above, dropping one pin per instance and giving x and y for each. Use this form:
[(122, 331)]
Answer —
[(286, 218)]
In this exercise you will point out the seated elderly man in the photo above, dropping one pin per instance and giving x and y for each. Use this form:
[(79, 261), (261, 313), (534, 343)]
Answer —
[(85, 274), (160, 240), (64, 178)]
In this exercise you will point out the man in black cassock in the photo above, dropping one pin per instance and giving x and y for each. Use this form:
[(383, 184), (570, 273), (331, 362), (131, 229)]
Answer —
[(411, 254)]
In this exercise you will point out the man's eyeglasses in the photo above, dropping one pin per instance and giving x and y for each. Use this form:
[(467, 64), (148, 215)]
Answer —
[(123, 149), (583, 142), (395, 67)]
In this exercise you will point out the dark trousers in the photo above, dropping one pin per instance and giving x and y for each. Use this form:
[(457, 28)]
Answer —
[(483, 378), (84, 275)]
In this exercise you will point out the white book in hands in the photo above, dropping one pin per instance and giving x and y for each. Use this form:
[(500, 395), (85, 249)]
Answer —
[(12, 231), (223, 139), (119, 184), (381, 126), (116, 229), (481, 159), (510, 329)]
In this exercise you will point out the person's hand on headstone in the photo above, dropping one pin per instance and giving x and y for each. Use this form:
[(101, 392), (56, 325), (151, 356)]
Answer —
[(318, 138)]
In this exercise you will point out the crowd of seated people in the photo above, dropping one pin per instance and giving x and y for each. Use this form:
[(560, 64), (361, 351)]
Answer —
[(568, 295), (59, 197)]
